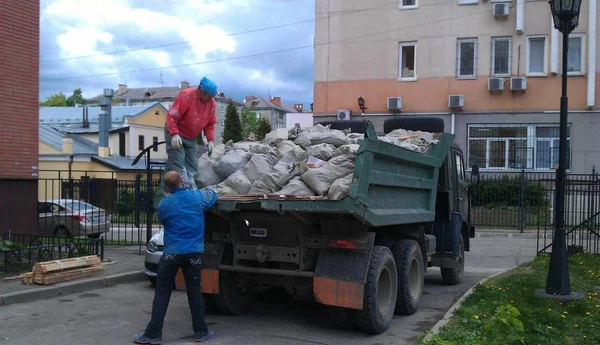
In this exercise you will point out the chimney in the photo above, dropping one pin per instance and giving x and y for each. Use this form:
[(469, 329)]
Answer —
[(67, 145), (86, 119), (122, 89), (104, 123), (276, 101), (298, 107), (249, 98), (184, 85)]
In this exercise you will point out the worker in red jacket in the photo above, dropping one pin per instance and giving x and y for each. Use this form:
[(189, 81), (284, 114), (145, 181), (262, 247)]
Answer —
[(193, 111)]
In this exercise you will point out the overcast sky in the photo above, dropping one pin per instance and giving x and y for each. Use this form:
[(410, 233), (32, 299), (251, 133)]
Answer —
[(94, 44)]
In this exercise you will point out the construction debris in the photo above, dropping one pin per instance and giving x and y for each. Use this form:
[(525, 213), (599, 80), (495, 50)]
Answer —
[(57, 271)]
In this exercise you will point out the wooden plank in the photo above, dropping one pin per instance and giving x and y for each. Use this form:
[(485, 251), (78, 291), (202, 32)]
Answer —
[(57, 265), (72, 274)]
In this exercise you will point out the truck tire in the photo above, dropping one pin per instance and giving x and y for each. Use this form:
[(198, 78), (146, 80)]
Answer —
[(425, 124), (234, 297), (379, 299), (342, 318), (453, 276), (411, 276), (354, 125)]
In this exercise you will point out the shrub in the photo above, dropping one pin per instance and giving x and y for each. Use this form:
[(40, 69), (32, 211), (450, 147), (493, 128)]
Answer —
[(505, 191), (125, 202)]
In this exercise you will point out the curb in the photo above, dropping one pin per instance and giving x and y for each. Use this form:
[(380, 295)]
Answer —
[(436, 328), (71, 287)]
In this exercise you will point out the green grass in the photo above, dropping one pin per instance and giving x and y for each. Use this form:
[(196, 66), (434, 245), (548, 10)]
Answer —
[(506, 310), (500, 216), (129, 219)]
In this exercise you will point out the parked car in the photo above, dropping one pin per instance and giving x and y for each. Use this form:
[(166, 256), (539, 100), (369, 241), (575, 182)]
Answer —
[(71, 218), (154, 250)]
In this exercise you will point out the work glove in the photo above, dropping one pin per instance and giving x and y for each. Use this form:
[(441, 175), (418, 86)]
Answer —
[(211, 146), (176, 142)]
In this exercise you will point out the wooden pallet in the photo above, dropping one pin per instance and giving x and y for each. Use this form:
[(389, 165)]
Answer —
[(56, 271)]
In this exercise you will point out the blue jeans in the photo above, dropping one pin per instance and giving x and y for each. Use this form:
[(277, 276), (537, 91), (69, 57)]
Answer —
[(168, 266)]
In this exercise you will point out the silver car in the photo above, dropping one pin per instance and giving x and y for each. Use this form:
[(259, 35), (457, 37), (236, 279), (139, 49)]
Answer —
[(154, 250), (71, 218)]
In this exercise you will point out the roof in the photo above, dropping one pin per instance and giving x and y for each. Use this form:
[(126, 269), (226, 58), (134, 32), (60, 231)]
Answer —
[(261, 103), (62, 115), (124, 163), (92, 129), (53, 138)]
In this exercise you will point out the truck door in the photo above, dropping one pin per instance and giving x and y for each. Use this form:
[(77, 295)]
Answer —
[(462, 192)]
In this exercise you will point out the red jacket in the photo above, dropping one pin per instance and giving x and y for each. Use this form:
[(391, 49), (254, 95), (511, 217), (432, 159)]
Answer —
[(188, 116)]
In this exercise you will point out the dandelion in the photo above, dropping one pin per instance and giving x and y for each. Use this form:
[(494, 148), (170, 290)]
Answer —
[(476, 317), (549, 309), (550, 327), (563, 316), (576, 325)]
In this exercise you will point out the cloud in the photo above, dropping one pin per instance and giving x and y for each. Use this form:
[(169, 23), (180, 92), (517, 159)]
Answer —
[(175, 41)]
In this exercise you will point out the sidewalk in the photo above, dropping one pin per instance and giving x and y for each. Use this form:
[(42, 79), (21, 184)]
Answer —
[(122, 264)]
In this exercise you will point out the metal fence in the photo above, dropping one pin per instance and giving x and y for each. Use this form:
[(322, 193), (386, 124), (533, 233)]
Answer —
[(18, 252), (124, 212)]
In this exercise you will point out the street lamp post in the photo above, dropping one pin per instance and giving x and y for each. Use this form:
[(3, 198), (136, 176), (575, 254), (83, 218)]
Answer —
[(565, 14)]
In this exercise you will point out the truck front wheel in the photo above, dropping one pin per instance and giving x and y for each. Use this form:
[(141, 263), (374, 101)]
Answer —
[(453, 276), (379, 299), (235, 296), (411, 276)]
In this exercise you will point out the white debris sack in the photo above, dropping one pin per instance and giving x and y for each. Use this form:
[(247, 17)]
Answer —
[(237, 182), (349, 149), (259, 165), (291, 165), (274, 137), (286, 146), (296, 187), (231, 161), (264, 149), (217, 153), (354, 138), (340, 187), (318, 128), (321, 151), (206, 175), (412, 140), (320, 179), (332, 136)]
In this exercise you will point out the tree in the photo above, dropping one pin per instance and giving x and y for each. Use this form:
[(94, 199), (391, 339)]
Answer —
[(233, 125), (55, 100), (76, 99), (249, 122), (264, 127)]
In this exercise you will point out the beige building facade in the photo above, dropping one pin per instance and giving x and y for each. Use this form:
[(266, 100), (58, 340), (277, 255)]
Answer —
[(491, 69)]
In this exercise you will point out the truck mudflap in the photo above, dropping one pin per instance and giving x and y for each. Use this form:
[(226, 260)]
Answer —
[(448, 242), (211, 259), (340, 275)]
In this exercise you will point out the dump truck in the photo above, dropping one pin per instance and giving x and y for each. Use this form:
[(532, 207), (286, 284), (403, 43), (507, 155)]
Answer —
[(364, 256)]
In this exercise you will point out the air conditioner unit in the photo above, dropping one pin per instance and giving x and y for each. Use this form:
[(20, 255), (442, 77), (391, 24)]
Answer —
[(501, 10), (394, 103), (496, 84), (456, 101), (518, 84), (344, 114)]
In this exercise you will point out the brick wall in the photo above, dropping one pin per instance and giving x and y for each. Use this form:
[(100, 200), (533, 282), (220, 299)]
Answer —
[(19, 90), (19, 87)]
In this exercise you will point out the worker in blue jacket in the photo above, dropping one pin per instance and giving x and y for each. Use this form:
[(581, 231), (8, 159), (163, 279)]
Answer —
[(182, 215)]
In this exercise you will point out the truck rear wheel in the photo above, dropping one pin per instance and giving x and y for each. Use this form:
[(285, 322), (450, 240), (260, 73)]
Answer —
[(342, 318), (425, 124), (453, 276), (235, 296), (411, 276), (379, 299)]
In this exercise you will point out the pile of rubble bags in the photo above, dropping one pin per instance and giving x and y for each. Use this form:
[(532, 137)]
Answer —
[(315, 161)]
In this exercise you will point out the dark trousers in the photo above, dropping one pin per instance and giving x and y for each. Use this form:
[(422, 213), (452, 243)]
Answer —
[(165, 280)]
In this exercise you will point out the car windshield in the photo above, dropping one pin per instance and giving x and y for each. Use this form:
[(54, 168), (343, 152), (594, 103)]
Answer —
[(77, 205)]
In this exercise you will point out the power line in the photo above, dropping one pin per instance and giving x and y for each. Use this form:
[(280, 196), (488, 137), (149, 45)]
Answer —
[(229, 35), (270, 52)]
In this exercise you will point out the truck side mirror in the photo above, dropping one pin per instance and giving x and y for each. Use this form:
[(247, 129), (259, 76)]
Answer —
[(474, 174)]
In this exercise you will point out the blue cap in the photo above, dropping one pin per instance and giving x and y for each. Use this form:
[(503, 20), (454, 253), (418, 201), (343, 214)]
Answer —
[(208, 86)]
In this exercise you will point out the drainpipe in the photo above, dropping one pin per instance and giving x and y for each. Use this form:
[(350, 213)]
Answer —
[(591, 74), (553, 48), (452, 124), (70, 176), (520, 16)]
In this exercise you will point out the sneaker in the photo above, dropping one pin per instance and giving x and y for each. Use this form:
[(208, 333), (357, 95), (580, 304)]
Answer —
[(142, 339), (200, 338)]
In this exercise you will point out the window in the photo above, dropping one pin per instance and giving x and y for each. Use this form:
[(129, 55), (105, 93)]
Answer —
[(575, 55), (122, 144), (154, 142), (467, 2), (222, 109), (408, 4), (466, 58), (222, 122), (536, 56), (527, 146), (140, 142), (460, 169), (408, 61), (501, 56)]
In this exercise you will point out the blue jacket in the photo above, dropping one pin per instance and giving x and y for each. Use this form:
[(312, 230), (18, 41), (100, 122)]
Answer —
[(182, 215)]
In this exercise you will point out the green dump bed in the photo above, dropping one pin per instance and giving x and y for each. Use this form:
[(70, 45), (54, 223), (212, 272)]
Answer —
[(392, 185)]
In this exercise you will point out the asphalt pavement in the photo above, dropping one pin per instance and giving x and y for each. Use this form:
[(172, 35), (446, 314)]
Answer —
[(112, 307)]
